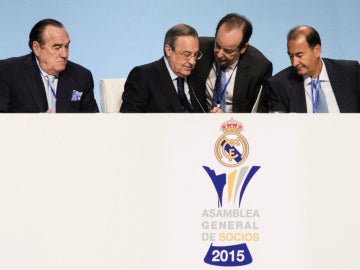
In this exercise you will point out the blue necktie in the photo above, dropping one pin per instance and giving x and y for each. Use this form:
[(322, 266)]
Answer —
[(219, 97), (321, 105), (52, 92), (185, 105)]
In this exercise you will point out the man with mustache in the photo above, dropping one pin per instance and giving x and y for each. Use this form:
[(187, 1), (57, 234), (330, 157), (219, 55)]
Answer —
[(163, 86), (45, 80), (313, 84)]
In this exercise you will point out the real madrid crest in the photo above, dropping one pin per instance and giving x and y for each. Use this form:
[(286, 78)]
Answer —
[(229, 246), (231, 148)]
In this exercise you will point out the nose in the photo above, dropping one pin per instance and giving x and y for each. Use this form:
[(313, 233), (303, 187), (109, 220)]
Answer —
[(192, 60), (219, 53), (64, 52), (294, 61)]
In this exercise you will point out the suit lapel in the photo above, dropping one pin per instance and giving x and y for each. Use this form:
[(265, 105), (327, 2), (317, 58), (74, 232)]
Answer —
[(64, 91), (242, 73), (336, 81), (169, 94), (35, 84)]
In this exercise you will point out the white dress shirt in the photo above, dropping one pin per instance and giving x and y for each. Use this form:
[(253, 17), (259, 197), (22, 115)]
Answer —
[(49, 96), (230, 74), (327, 89), (174, 79)]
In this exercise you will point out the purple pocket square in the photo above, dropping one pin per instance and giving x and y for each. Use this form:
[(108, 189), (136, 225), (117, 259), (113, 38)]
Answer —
[(76, 95)]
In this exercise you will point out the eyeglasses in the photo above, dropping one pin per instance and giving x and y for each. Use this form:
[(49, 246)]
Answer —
[(188, 55)]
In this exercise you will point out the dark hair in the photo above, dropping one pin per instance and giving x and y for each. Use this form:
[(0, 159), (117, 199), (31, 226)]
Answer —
[(235, 20), (312, 36), (176, 31), (36, 33)]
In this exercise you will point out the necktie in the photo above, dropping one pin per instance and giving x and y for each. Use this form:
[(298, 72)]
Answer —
[(219, 96), (185, 105), (52, 92), (321, 105)]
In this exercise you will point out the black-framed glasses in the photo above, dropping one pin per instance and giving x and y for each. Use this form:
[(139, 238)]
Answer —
[(188, 55)]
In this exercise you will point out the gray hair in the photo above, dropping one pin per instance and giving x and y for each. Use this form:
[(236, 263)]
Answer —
[(176, 31)]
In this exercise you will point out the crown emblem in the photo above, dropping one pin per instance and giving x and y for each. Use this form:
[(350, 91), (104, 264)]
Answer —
[(231, 148), (232, 126)]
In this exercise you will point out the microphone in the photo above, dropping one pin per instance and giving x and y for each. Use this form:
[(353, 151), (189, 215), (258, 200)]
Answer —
[(196, 98)]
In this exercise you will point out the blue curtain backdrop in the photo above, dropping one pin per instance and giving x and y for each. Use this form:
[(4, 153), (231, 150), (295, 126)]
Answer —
[(110, 37)]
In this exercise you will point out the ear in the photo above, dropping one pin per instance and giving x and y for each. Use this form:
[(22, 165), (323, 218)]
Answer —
[(243, 49), (168, 50), (317, 50), (36, 48)]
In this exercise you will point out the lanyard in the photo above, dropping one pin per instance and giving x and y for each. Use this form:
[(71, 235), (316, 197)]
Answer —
[(51, 87), (315, 85), (222, 93)]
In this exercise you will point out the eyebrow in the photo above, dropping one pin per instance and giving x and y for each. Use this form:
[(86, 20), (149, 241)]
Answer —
[(60, 44), (296, 53)]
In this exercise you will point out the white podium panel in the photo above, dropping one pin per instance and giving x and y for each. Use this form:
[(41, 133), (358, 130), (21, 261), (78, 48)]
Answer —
[(176, 191)]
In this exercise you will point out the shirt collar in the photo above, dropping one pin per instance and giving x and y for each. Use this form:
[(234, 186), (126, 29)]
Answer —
[(171, 72), (323, 77), (43, 73), (233, 66)]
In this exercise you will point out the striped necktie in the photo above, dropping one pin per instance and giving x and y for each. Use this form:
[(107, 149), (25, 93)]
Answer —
[(51, 92), (219, 95), (321, 105), (185, 105)]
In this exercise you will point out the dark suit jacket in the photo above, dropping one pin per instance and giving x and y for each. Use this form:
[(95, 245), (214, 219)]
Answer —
[(286, 89), (149, 88), (253, 70), (22, 89)]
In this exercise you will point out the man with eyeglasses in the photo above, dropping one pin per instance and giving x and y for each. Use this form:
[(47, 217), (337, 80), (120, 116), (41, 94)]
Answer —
[(233, 72), (163, 86)]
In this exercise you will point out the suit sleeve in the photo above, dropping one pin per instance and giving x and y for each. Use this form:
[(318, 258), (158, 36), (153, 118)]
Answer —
[(89, 104), (263, 101), (275, 100), (135, 96), (5, 98), (358, 78)]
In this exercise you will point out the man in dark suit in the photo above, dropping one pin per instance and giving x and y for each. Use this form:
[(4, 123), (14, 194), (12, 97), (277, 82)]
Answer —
[(246, 68), (163, 86), (313, 84), (44, 80)]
